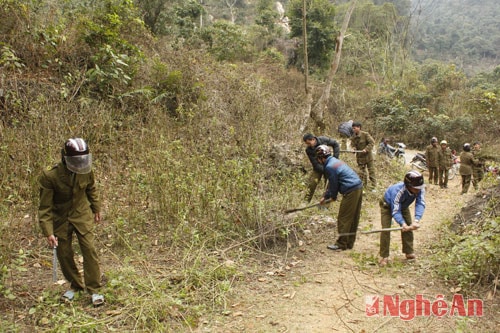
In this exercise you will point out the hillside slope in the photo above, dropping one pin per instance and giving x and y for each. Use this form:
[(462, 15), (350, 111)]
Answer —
[(465, 32)]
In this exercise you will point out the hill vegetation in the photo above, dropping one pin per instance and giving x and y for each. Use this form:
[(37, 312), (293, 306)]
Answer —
[(193, 123), (464, 32)]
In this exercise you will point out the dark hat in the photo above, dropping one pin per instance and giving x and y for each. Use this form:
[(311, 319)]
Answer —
[(307, 136), (356, 124)]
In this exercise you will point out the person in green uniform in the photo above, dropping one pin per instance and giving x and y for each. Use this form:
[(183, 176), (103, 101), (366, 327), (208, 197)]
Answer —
[(363, 142), (477, 169), (431, 156), (69, 205), (445, 161), (467, 162)]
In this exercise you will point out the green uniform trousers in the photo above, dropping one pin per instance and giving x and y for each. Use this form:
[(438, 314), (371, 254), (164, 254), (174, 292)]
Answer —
[(314, 179), (91, 269), (466, 179), (477, 176), (433, 175), (367, 171), (443, 177), (348, 218), (385, 237)]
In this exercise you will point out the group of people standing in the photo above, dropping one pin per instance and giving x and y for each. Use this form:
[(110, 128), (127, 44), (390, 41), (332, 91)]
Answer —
[(394, 204), (440, 159)]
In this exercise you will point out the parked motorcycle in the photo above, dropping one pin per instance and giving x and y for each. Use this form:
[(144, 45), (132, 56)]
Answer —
[(455, 167), (391, 152), (419, 162)]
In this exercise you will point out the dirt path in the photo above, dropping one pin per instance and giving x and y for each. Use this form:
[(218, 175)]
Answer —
[(312, 289)]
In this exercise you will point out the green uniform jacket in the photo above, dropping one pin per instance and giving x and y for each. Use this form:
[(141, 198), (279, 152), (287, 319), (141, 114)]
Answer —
[(66, 197), (432, 155), (481, 161), (467, 161), (445, 159), (361, 141)]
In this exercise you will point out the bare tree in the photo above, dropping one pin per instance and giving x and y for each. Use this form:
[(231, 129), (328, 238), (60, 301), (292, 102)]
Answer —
[(308, 91), (230, 4), (316, 112)]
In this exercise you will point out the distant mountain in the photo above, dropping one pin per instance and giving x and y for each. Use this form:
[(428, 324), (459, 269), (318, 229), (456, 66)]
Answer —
[(465, 32)]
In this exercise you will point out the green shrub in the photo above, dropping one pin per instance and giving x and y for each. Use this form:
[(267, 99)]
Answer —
[(471, 258), (227, 41)]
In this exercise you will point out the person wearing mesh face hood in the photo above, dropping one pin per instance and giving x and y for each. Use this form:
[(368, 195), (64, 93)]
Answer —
[(69, 205)]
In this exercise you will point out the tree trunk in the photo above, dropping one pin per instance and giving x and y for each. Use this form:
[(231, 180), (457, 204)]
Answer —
[(316, 112), (308, 91)]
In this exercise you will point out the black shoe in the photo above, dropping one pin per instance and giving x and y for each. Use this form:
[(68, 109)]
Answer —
[(334, 247)]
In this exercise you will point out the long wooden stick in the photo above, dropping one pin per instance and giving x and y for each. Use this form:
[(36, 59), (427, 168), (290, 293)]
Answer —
[(351, 151), (371, 231), (306, 207)]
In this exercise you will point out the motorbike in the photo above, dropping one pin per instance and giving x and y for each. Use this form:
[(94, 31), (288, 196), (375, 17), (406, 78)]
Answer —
[(391, 152), (455, 167), (419, 162)]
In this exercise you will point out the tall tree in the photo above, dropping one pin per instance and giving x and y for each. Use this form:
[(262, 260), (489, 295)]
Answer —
[(316, 113), (320, 31)]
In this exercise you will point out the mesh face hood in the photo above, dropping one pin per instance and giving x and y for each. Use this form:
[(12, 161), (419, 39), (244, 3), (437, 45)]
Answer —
[(77, 156), (80, 164)]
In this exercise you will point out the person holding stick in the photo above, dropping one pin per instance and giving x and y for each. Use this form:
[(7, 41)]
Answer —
[(342, 179), (395, 205), (69, 205)]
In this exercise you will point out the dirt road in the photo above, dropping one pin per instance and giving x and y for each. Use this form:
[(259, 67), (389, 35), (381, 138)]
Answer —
[(312, 289)]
